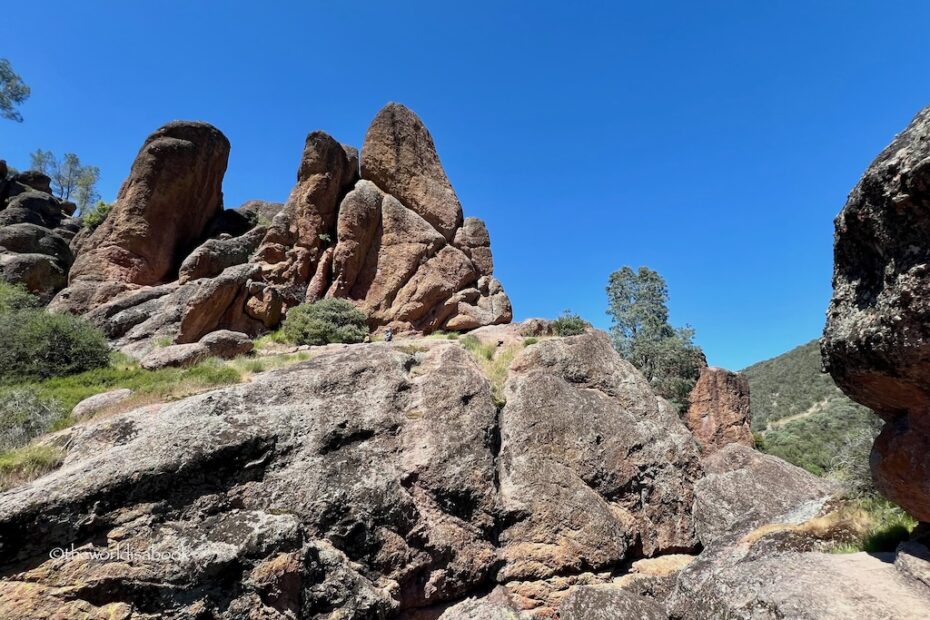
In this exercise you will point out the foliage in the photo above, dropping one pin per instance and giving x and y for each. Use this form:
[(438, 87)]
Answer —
[(802, 417), (95, 216), (21, 465), (71, 180), (325, 321), (850, 463), (24, 415), (13, 92), (35, 344), (791, 384), (569, 324), (886, 525), (16, 297), (479, 349), (667, 356), (531, 340)]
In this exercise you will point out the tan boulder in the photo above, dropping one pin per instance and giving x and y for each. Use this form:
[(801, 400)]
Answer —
[(718, 411), (173, 192), (399, 156)]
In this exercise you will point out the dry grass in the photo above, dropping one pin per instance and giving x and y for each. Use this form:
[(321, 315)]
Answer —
[(870, 524), (24, 464), (494, 362)]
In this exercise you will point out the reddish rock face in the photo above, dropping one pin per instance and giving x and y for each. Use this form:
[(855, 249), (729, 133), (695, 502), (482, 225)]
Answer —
[(399, 156), (394, 243), (173, 192), (876, 343), (718, 413)]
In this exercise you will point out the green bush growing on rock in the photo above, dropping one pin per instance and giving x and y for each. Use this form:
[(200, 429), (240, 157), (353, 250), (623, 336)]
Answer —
[(569, 324), (35, 345), (95, 216), (325, 321)]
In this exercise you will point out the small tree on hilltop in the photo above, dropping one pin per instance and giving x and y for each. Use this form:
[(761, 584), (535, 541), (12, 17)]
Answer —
[(668, 357), (71, 180)]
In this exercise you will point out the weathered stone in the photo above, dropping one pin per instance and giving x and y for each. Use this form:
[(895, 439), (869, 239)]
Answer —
[(98, 402), (740, 584), (579, 432), (39, 273), (743, 489), (163, 209), (34, 179), (260, 212), (875, 344), (176, 356), (300, 233), (214, 255), (718, 410), (399, 156), (608, 603), (375, 467), (227, 344), (473, 239)]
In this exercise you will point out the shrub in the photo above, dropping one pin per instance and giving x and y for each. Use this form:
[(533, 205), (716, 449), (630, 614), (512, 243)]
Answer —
[(95, 217), (35, 345), (529, 341), (16, 297), (569, 324), (323, 322), (25, 415)]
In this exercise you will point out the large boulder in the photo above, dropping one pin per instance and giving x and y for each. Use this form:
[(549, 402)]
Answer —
[(876, 343), (173, 192), (34, 233), (718, 409), (751, 582), (594, 468), (608, 603), (743, 489), (399, 156), (361, 481)]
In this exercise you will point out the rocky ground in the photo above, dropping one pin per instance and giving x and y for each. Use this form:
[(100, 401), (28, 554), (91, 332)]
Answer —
[(386, 480)]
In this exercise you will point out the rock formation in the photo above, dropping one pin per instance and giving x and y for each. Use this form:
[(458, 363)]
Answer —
[(877, 339), (173, 192), (35, 228), (385, 481), (386, 233), (388, 480), (718, 409)]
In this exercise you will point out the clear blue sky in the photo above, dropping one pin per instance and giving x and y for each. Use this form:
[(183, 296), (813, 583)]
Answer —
[(712, 141)]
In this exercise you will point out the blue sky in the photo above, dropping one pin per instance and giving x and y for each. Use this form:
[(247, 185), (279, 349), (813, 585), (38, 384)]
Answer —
[(712, 141)]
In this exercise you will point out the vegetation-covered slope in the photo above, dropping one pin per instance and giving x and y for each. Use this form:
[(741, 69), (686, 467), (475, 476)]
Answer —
[(798, 412)]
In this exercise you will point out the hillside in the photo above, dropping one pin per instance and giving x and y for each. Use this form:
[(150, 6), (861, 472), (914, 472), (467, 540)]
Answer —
[(799, 412)]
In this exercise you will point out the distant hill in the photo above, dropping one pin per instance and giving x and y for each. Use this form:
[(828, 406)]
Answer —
[(799, 413)]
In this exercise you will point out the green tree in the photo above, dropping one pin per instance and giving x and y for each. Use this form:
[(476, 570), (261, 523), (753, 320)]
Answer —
[(71, 180), (13, 91), (667, 356)]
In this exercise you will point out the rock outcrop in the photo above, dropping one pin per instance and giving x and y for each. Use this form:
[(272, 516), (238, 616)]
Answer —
[(718, 409), (173, 192), (35, 228), (877, 339), (362, 483), (743, 489), (386, 233)]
